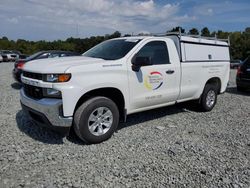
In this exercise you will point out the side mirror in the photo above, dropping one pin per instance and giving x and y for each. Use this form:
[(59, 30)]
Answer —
[(139, 62)]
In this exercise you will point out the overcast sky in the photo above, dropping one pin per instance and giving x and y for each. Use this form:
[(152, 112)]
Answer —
[(60, 19)]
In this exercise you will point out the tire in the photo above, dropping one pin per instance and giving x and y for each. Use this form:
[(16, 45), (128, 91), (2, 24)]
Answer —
[(89, 115), (208, 98)]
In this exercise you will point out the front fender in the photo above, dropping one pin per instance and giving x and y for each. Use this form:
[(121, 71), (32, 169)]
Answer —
[(92, 80)]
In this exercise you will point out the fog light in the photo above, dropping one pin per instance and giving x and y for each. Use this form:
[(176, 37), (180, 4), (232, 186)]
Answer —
[(52, 93)]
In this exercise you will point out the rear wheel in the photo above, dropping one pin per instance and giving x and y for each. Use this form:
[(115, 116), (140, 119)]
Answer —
[(208, 98), (96, 120)]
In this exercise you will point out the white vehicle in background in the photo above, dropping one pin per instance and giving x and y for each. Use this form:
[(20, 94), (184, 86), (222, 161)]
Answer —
[(123, 76), (10, 55), (1, 58)]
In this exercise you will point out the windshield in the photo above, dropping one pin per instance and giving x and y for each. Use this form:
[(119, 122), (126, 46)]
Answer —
[(34, 56), (6, 52), (112, 49), (247, 61)]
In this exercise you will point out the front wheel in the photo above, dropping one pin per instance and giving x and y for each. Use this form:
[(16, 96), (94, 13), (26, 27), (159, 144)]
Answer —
[(96, 120), (208, 98)]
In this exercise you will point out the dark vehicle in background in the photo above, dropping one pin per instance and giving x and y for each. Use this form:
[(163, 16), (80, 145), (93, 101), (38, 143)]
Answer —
[(4, 57), (19, 54), (17, 71), (243, 76), (234, 64)]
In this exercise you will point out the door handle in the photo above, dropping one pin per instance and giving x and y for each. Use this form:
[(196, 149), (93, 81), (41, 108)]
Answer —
[(170, 71)]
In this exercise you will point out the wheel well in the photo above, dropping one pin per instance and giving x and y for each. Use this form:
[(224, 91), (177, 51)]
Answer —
[(111, 93), (215, 81)]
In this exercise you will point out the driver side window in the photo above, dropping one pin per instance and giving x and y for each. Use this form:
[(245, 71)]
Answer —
[(157, 51)]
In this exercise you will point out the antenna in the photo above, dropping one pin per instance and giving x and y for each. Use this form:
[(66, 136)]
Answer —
[(77, 30)]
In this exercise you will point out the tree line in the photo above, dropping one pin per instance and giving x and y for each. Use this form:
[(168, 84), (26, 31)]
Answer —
[(239, 42)]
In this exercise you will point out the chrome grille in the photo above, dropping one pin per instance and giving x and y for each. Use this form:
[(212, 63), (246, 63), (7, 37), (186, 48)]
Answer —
[(32, 75)]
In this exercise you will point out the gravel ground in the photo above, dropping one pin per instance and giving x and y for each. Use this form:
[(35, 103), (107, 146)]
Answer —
[(168, 147)]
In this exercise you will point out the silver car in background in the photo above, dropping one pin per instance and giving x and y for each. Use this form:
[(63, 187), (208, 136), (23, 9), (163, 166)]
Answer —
[(10, 55)]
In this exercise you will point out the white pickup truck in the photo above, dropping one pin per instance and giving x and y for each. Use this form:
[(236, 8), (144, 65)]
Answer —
[(118, 77)]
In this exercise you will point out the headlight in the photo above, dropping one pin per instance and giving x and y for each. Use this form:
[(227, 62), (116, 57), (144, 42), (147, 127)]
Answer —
[(51, 93), (57, 77)]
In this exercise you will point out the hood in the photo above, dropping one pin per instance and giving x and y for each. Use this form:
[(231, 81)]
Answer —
[(58, 65)]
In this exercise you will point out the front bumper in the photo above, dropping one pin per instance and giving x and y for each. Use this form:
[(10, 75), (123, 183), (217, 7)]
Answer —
[(46, 112)]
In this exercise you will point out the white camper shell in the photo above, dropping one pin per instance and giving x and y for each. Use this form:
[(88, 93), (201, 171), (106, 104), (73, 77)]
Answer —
[(197, 49)]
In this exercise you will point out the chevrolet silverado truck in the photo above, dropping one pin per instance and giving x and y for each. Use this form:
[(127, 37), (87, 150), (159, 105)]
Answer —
[(122, 76)]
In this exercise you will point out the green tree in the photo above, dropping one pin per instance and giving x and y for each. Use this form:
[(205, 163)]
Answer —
[(5, 38), (116, 34), (222, 35), (127, 35), (247, 30), (177, 29), (236, 45), (205, 32), (193, 31)]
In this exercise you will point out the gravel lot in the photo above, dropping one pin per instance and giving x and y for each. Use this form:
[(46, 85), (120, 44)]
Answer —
[(168, 147)]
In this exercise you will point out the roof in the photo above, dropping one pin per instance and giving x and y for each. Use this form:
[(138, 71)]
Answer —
[(183, 38)]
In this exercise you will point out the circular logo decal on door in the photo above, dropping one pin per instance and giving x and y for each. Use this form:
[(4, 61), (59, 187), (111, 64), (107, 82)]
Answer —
[(153, 81)]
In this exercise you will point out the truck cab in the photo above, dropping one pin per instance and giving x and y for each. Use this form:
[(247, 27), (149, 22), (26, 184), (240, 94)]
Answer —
[(118, 77)]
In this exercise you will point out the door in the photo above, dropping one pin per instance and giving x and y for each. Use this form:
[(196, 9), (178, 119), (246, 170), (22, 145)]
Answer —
[(155, 84)]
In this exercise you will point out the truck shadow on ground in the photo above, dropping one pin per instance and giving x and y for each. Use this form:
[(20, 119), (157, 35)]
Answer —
[(233, 90), (149, 115), (50, 137), (16, 85), (35, 132)]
